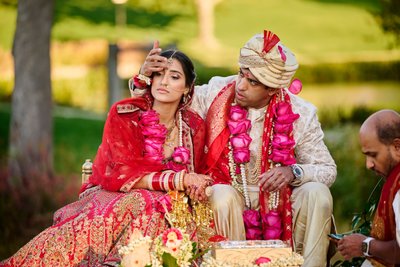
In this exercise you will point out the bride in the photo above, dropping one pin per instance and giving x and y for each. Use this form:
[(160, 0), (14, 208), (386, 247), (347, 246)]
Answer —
[(151, 145)]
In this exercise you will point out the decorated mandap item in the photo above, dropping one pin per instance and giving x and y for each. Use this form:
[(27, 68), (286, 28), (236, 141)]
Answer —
[(174, 248), (272, 253)]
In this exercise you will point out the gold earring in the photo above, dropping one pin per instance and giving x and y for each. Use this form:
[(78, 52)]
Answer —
[(185, 97)]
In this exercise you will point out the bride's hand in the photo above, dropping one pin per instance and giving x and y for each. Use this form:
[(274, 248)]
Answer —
[(196, 184), (153, 62)]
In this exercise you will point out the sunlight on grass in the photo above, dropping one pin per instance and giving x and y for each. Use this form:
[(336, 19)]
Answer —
[(348, 96)]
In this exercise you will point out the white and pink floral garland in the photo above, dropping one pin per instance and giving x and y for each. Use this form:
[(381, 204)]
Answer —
[(155, 135)]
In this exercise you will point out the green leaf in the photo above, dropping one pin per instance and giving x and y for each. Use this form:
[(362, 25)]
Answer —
[(169, 260)]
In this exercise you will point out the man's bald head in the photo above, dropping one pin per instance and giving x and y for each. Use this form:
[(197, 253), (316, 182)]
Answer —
[(385, 124)]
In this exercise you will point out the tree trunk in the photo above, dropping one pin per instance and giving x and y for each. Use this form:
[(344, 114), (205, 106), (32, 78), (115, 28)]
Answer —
[(31, 142), (205, 10)]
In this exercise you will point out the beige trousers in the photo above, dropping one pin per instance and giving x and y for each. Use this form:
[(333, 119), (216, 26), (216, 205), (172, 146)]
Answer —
[(312, 209)]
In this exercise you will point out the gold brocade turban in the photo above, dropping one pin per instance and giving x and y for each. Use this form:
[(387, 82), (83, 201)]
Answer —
[(269, 60)]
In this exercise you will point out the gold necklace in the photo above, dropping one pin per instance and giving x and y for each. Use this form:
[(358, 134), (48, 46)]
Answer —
[(170, 141)]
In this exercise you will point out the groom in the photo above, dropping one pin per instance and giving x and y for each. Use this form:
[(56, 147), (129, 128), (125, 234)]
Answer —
[(265, 151)]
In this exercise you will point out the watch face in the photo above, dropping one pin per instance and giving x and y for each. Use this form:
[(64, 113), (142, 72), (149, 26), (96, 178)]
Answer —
[(297, 171), (364, 247)]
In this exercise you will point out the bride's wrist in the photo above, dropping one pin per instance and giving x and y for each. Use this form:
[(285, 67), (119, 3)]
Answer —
[(139, 81)]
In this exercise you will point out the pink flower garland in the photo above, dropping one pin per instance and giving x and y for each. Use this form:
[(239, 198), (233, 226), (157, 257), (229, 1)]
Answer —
[(283, 142), (282, 152), (240, 140), (154, 138)]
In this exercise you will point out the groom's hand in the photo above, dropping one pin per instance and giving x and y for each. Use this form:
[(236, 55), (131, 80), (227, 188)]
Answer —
[(153, 62), (275, 178)]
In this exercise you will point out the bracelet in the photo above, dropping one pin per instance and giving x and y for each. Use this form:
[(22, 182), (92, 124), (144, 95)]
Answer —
[(181, 176), (156, 182), (139, 81), (144, 78), (171, 184), (149, 180)]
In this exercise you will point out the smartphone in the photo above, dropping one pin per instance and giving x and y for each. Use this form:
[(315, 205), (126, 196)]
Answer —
[(335, 236)]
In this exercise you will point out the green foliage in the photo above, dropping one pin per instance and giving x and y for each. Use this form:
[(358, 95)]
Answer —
[(350, 72), (9, 2), (354, 181), (389, 17), (313, 32)]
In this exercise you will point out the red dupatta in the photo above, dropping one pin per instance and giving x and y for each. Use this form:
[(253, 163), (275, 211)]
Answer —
[(120, 160)]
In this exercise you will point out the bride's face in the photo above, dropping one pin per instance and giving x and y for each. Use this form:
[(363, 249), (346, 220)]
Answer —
[(169, 85)]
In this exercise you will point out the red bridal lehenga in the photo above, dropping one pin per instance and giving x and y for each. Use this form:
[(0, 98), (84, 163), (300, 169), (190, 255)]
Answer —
[(89, 231)]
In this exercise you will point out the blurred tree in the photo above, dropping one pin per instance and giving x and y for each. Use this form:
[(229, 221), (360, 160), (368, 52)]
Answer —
[(205, 13), (9, 2), (31, 151), (204, 10), (389, 17)]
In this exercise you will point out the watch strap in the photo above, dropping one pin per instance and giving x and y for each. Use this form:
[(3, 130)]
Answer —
[(367, 246)]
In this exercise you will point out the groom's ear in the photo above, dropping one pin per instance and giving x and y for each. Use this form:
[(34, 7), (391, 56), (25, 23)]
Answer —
[(273, 91)]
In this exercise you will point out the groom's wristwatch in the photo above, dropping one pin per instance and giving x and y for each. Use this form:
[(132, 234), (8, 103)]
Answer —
[(365, 246), (297, 172)]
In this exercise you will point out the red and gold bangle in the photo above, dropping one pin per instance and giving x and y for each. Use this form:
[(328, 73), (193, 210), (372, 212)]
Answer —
[(156, 182), (165, 177), (171, 185), (141, 81)]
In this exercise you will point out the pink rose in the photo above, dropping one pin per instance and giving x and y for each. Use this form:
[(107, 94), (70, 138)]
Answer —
[(251, 218), (278, 155), (172, 165), (236, 127), (163, 204), (241, 140), (282, 141), (280, 138), (272, 233), (153, 146), (283, 108), (253, 234), (296, 86), (288, 145), (150, 117), (287, 118), (283, 156), (262, 260), (237, 113), (181, 155), (273, 219), (289, 161), (155, 131), (283, 128), (241, 155)]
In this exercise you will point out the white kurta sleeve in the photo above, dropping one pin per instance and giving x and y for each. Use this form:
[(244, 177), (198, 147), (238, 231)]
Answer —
[(204, 95), (311, 152)]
